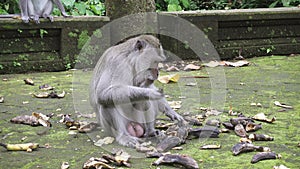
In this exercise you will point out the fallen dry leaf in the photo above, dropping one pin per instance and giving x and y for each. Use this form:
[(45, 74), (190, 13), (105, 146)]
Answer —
[(172, 68), (183, 160), (227, 63), (191, 67), (29, 81), (277, 103), (212, 64), (49, 95), (42, 119), (263, 117), (237, 64), (175, 104), (46, 87), (35, 119), (65, 165), (96, 163), (169, 78), (104, 141)]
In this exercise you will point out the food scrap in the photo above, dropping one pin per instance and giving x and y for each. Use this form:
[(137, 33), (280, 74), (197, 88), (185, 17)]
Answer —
[(20, 147)]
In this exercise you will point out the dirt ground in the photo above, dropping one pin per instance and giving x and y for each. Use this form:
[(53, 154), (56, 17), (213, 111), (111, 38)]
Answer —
[(264, 81)]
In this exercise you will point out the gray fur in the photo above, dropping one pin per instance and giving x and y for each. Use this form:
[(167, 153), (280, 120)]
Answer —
[(34, 9), (122, 88)]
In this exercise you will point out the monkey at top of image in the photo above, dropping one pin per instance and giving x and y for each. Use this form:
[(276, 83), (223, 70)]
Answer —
[(122, 91), (34, 9)]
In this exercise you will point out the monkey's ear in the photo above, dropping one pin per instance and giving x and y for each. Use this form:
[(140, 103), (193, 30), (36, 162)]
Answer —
[(139, 45)]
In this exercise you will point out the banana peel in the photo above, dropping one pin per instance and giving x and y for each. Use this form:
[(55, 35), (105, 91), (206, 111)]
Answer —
[(20, 147), (169, 78)]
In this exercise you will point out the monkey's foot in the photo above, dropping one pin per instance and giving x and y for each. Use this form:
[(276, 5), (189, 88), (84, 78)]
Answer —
[(51, 18), (36, 19), (25, 19), (129, 141)]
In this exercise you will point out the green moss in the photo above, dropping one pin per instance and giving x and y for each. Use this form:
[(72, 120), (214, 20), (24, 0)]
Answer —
[(9, 26), (97, 33), (83, 39), (33, 32), (72, 34)]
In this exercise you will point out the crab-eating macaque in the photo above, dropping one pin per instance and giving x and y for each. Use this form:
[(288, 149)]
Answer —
[(122, 91), (34, 9)]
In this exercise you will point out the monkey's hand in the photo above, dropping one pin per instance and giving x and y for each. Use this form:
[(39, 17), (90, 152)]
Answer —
[(173, 115), (154, 94)]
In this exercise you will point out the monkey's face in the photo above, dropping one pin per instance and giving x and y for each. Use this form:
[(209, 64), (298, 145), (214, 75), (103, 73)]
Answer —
[(146, 63)]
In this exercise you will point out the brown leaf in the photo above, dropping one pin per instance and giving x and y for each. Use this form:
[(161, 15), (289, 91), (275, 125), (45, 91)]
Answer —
[(191, 67), (277, 103), (237, 64), (29, 81), (212, 64)]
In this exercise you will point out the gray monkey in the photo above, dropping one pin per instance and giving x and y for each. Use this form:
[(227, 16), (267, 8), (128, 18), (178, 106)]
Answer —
[(122, 91), (34, 9)]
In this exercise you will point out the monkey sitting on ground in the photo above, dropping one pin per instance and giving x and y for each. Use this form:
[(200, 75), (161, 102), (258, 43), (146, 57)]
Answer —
[(122, 91), (34, 9)]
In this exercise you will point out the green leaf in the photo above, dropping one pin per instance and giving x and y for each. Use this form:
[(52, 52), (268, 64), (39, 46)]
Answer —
[(97, 9), (75, 13), (81, 6), (185, 3), (273, 4), (172, 7), (173, 2), (285, 3), (3, 12), (89, 13), (69, 3)]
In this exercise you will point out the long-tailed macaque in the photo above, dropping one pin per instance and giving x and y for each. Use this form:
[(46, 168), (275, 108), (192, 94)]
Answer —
[(122, 91), (34, 9)]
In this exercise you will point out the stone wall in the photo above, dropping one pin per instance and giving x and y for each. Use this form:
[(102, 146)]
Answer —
[(256, 32), (45, 46)]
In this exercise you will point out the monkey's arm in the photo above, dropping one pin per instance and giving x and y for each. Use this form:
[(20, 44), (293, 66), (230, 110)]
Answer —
[(61, 8), (119, 94)]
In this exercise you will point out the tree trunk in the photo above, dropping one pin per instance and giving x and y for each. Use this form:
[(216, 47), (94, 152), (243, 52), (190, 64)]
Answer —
[(118, 8), (130, 17)]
